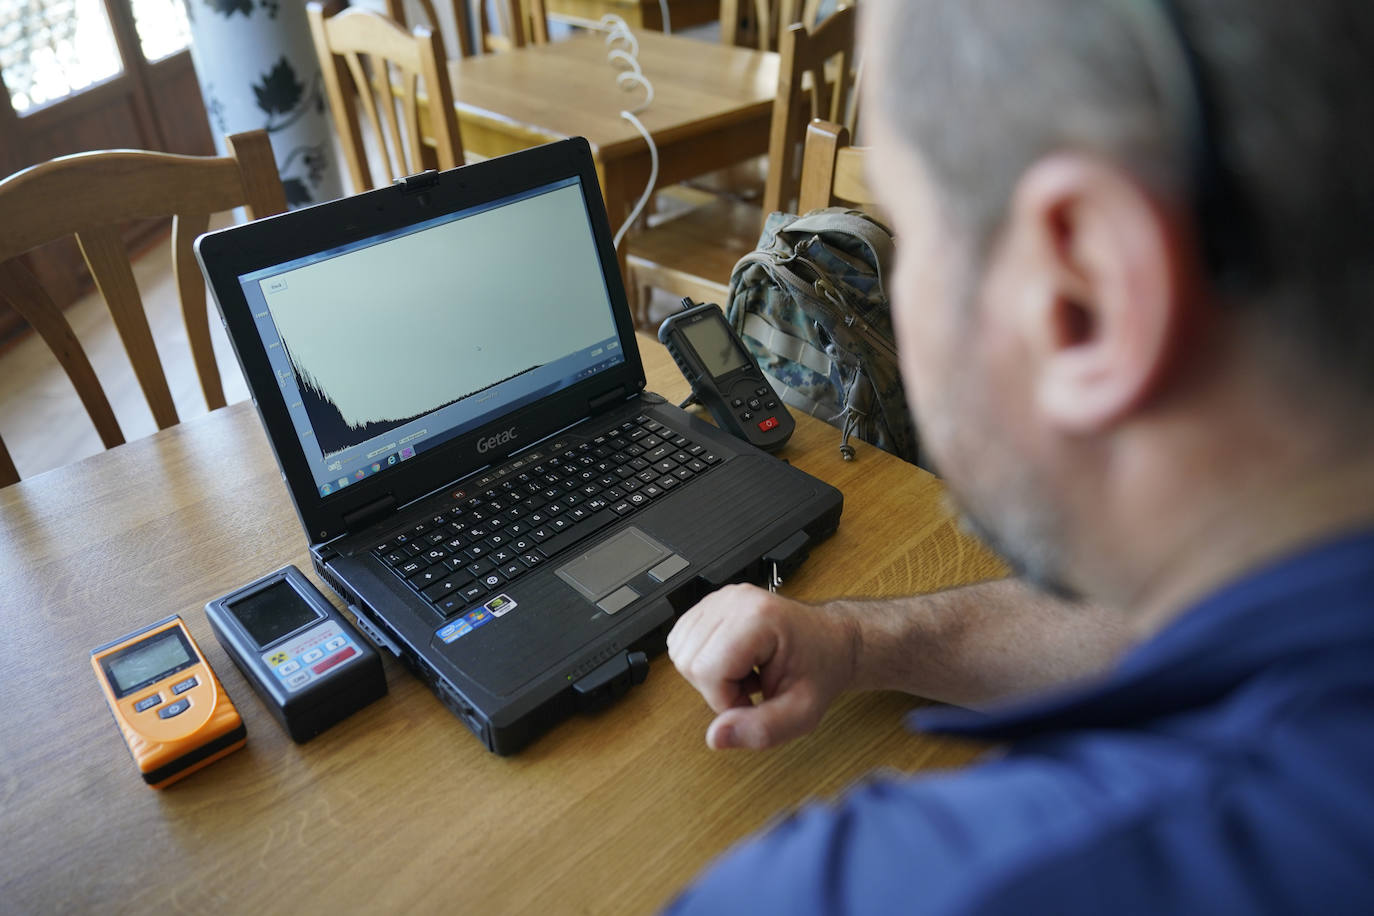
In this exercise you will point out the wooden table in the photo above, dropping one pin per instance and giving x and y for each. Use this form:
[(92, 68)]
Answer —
[(712, 107), (638, 13), (398, 808)]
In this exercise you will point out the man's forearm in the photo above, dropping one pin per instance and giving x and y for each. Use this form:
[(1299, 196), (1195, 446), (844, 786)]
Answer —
[(975, 645)]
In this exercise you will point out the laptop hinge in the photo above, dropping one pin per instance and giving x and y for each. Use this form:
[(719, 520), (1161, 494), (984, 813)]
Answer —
[(608, 400), (363, 516)]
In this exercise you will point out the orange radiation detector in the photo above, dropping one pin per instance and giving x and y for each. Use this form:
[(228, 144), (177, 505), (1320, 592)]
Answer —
[(171, 709)]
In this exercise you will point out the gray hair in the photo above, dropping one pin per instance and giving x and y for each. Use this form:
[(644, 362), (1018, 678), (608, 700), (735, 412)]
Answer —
[(984, 88)]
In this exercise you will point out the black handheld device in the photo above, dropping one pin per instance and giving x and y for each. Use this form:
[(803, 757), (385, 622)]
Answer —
[(724, 377), (301, 655)]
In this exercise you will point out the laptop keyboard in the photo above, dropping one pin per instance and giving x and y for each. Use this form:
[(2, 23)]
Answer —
[(497, 528)]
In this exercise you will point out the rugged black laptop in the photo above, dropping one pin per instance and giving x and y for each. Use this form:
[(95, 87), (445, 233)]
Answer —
[(448, 375)]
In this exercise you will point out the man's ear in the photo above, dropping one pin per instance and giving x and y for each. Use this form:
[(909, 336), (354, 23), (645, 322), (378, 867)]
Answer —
[(1117, 289)]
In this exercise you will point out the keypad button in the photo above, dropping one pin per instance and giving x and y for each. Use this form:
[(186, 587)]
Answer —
[(174, 709), (181, 687), (147, 703)]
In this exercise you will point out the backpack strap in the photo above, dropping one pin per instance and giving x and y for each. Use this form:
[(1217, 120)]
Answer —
[(780, 343)]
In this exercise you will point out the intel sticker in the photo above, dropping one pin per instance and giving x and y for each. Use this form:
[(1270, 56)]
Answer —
[(451, 631)]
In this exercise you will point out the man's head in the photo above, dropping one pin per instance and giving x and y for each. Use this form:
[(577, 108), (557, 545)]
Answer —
[(1062, 325)]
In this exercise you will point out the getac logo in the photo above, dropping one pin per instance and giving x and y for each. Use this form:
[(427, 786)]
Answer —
[(489, 443)]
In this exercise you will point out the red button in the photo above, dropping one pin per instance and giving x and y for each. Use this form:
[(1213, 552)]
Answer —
[(770, 423), (333, 660)]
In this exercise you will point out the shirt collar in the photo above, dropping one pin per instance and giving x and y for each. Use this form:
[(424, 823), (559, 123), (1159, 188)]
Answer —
[(1313, 601)]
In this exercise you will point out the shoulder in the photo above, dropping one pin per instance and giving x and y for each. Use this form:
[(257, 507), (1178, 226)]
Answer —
[(1120, 822)]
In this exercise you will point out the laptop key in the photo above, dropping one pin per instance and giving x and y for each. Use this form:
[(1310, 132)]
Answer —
[(472, 592), (622, 508), (513, 569), (598, 520), (429, 576), (480, 567)]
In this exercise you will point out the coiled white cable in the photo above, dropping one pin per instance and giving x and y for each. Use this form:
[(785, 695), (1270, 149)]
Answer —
[(624, 49)]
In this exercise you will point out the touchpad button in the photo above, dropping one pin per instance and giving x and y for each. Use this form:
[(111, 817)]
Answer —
[(610, 565)]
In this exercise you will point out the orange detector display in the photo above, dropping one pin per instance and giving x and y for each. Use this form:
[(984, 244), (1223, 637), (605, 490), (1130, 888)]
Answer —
[(168, 704)]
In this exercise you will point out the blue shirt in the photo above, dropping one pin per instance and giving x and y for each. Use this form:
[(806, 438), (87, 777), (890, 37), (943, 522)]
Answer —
[(1225, 766)]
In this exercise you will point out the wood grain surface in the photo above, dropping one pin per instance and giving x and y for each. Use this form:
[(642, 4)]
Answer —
[(398, 808)]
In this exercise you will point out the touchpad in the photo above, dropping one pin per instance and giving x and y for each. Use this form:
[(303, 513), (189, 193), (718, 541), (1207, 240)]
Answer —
[(610, 565)]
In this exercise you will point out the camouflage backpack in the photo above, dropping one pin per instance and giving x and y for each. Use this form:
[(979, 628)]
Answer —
[(811, 307)]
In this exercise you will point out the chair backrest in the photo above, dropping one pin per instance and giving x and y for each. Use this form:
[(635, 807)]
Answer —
[(833, 170), (817, 77), (501, 24), (765, 20), (90, 196), (371, 63), (516, 23)]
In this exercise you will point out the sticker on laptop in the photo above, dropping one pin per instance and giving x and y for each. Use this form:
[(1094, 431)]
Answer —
[(478, 616)]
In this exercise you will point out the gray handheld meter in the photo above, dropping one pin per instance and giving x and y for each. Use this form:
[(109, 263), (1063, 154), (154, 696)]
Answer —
[(724, 377), (303, 658)]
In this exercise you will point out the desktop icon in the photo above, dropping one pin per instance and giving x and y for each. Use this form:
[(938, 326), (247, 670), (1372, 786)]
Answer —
[(326, 490), (376, 467), (392, 459), (343, 482), (407, 452), (360, 474)]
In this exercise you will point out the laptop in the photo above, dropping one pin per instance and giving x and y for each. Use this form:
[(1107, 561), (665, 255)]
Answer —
[(448, 375)]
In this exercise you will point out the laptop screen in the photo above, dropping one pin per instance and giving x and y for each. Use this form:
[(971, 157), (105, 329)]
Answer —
[(395, 344)]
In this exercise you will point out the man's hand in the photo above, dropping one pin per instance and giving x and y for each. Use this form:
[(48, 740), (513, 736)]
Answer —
[(740, 641)]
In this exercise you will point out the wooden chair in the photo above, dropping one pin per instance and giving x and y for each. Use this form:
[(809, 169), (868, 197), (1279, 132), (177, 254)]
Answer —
[(693, 254), (760, 23), (370, 62), (89, 195), (516, 22), (833, 170)]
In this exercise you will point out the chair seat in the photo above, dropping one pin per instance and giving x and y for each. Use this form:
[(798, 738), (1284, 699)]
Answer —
[(693, 254)]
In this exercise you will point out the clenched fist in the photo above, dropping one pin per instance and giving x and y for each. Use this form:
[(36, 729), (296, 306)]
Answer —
[(741, 641)]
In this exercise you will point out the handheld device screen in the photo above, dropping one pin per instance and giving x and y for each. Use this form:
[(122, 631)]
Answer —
[(272, 612), (713, 344), (148, 661)]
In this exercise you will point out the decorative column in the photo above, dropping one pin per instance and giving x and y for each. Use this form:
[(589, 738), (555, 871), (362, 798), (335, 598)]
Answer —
[(257, 68)]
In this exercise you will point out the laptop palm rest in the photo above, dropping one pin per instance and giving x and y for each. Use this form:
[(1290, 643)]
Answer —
[(602, 574)]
